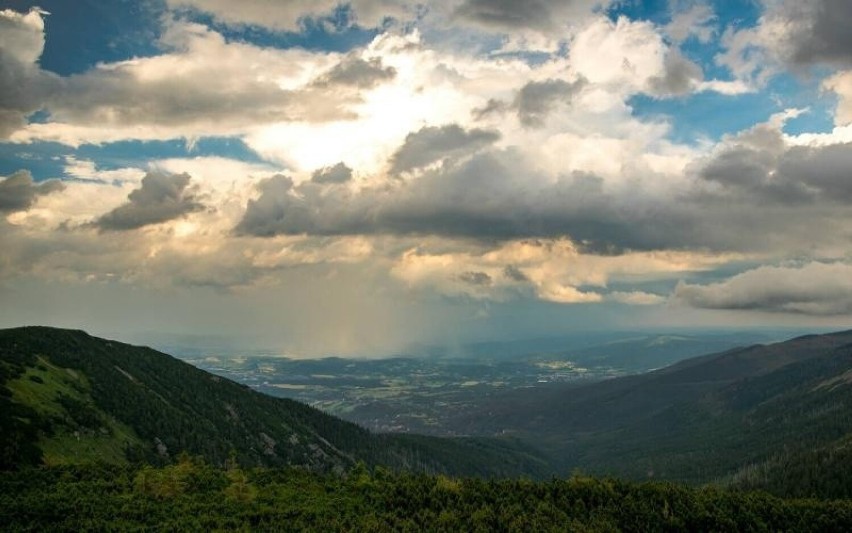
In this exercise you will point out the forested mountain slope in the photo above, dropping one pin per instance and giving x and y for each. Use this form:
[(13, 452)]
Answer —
[(68, 397), (700, 420)]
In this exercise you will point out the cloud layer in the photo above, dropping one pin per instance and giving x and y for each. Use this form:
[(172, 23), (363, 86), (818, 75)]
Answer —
[(460, 159)]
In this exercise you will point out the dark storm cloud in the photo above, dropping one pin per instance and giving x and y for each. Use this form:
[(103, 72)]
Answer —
[(825, 169), (823, 31), (339, 173), (162, 197), (536, 100), (490, 197), (759, 165), (356, 72), (19, 191), (431, 144)]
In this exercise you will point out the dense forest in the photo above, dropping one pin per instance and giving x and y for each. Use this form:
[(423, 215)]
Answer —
[(192, 496)]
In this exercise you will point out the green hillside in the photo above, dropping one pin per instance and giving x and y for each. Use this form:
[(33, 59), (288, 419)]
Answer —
[(68, 397)]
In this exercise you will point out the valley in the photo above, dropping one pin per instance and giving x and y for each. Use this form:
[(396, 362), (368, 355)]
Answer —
[(430, 393)]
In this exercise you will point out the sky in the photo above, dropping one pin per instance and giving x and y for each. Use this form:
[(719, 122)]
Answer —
[(355, 178)]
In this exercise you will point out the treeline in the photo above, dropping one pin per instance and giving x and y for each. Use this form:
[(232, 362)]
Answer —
[(191, 495)]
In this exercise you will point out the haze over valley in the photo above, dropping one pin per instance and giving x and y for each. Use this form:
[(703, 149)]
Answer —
[(436, 391)]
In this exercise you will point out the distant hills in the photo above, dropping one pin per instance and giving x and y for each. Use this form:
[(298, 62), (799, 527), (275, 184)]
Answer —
[(68, 397), (627, 351)]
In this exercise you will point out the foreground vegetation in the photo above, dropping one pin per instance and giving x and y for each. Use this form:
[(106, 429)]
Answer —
[(190, 495)]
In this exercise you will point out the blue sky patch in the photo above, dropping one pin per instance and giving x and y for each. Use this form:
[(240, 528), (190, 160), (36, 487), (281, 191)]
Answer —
[(82, 33)]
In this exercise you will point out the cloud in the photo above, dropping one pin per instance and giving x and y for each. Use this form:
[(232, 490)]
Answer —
[(19, 192), (535, 100), (204, 80), (697, 20), (762, 165), (339, 173), (790, 33), (431, 143), (747, 163), (540, 16), (814, 288), (680, 76), (548, 269), (841, 84), (510, 16), (281, 15), (621, 54), (202, 85), (22, 35), (786, 194), (493, 195), (290, 15), (356, 72), (820, 32), (475, 278), (161, 197), (506, 14), (514, 273), (562, 294), (635, 298), (477, 171), (276, 211), (24, 87), (492, 107)]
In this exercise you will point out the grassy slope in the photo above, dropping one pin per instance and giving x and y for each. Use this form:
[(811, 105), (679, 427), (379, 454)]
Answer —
[(91, 435)]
